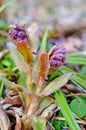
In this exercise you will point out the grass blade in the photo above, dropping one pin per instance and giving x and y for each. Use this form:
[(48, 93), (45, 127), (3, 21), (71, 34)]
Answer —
[(44, 41), (75, 60), (6, 81), (80, 53), (3, 7), (77, 78), (66, 110), (1, 89)]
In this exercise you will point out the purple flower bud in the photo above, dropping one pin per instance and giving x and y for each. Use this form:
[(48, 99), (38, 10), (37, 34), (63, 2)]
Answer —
[(18, 34), (17, 27), (57, 56)]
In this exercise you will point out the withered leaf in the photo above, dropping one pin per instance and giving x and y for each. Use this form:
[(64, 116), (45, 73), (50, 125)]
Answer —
[(19, 124), (4, 121), (13, 100)]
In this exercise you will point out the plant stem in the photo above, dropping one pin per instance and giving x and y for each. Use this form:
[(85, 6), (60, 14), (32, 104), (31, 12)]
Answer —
[(29, 78), (60, 99), (1, 89)]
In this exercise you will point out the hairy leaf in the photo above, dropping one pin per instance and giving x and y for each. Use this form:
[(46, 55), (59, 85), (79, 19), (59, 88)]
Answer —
[(13, 86), (44, 65), (38, 123), (26, 121), (44, 103), (44, 41), (25, 51), (40, 70), (17, 57), (33, 104), (33, 36), (48, 112), (25, 99), (56, 84), (22, 79)]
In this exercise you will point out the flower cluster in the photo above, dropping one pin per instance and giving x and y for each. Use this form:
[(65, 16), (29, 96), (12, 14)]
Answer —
[(57, 56), (18, 34)]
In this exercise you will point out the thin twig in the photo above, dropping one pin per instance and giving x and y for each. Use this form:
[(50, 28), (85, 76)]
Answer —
[(78, 121), (77, 94), (50, 125)]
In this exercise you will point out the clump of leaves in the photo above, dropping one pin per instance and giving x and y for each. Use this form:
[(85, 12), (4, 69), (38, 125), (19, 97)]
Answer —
[(77, 106), (30, 108)]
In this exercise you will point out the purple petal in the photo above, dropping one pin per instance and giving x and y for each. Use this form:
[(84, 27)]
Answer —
[(22, 34)]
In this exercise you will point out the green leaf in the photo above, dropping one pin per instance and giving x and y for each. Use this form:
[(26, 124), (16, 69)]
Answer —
[(1, 89), (56, 84), (67, 70), (57, 124), (80, 81), (78, 106), (6, 81), (3, 7), (17, 57), (3, 37), (45, 102), (54, 75), (22, 79), (7, 62), (77, 54), (76, 60), (77, 78), (61, 101), (12, 85), (44, 41), (25, 99), (4, 27), (38, 123), (83, 70)]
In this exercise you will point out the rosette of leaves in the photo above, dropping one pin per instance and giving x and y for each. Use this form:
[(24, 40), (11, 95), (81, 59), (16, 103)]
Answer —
[(29, 108)]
